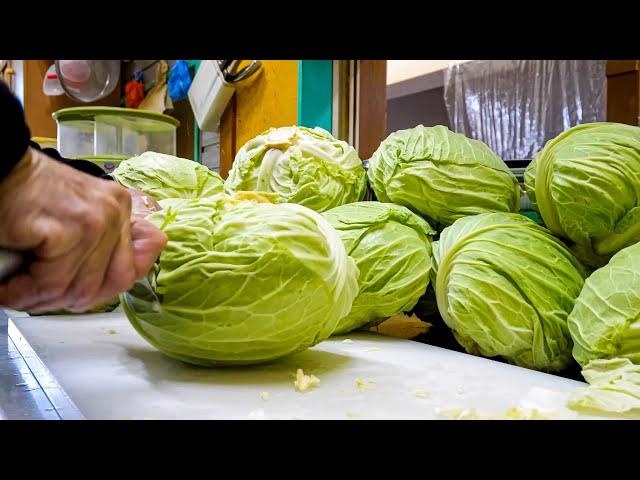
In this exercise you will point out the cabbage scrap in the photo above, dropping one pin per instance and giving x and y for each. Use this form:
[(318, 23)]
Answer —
[(614, 387)]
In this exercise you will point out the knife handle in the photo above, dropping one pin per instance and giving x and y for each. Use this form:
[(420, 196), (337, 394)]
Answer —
[(10, 263)]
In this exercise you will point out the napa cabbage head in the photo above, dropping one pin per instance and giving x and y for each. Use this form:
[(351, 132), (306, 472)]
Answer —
[(244, 281), (306, 166), (392, 249), (442, 175), (505, 286)]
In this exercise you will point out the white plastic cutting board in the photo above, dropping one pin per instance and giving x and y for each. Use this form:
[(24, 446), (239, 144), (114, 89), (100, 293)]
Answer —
[(110, 372)]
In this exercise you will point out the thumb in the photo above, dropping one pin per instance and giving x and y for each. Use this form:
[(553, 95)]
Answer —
[(148, 243)]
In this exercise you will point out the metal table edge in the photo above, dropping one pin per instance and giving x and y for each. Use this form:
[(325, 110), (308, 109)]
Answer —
[(28, 389)]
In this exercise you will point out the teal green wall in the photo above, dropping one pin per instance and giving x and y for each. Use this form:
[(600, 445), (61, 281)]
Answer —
[(315, 93)]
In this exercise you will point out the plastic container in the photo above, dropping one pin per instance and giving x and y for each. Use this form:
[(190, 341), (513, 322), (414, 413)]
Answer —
[(75, 138), (51, 84), (112, 133)]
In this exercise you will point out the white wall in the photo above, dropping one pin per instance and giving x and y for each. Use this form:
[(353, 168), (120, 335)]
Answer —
[(401, 70)]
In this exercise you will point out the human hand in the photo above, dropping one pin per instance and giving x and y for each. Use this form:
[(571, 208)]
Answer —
[(86, 249)]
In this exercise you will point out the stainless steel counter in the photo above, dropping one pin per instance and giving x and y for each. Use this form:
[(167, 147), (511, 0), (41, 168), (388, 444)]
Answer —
[(28, 391)]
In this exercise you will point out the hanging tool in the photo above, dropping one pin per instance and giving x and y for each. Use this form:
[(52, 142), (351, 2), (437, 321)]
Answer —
[(230, 73), (230, 69), (245, 72)]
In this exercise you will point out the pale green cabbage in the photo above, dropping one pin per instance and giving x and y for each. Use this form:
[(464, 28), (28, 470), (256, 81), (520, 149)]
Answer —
[(302, 165), (605, 322), (529, 179), (586, 185), (165, 176), (614, 387), (244, 282), (392, 249), (505, 286), (442, 175)]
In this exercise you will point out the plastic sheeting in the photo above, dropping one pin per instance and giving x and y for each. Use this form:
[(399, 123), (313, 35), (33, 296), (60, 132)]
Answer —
[(515, 106)]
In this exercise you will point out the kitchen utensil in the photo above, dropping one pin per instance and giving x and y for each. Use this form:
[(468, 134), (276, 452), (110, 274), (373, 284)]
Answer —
[(86, 81), (142, 298), (230, 70), (209, 95), (245, 72)]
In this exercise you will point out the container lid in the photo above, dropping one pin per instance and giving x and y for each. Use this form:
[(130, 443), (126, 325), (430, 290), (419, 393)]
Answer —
[(100, 158), (40, 140), (88, 113)]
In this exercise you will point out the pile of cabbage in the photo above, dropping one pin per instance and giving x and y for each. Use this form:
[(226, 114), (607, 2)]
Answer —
[(285, 253), (255, 273)]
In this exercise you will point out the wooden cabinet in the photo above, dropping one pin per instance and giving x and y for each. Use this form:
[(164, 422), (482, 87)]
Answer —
[(623, 91), (372, 106)]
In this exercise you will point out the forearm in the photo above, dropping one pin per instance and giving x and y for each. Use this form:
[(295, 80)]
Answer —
[(14, 133)]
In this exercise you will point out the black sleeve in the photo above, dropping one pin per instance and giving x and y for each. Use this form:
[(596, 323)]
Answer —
[(14, 133), (90, 168), (81, 165), (15, 138)]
